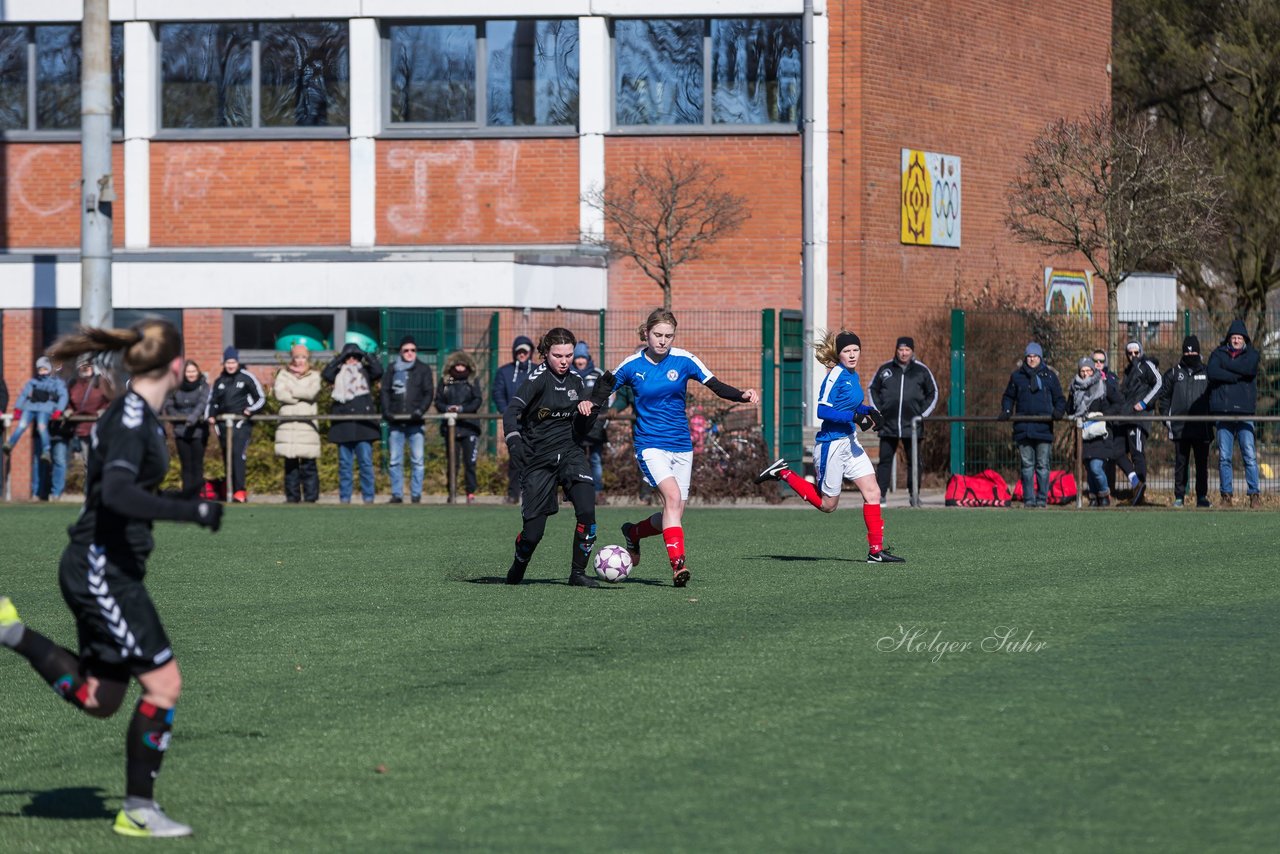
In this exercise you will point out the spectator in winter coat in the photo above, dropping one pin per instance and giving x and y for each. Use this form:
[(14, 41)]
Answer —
[(85, 396), (353, 373), (1033, 390), (1186, 392), (460, 392), (235, 392), (901, 389), (510, 377), (1141, 389), (189, 401), (594, 441), (42, 399), (407, 390), (1233, 390), (297, 388), (1089, 397)]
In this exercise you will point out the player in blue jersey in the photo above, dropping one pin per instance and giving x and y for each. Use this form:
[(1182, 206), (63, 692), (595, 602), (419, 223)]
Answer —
[(837, 454), (658, 375)]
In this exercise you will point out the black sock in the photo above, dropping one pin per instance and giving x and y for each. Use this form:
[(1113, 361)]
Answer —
[(148, 739), (56, 665)]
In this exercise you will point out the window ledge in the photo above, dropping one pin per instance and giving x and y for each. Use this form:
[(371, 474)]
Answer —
[(476, 132), (51, 135), (249, 134), (705, 130)]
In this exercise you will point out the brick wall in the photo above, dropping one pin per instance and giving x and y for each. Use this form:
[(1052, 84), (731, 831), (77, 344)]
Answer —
[(238, 193), (40, 185), (202, 338), (974, 78), (477, 191), (21, 329)]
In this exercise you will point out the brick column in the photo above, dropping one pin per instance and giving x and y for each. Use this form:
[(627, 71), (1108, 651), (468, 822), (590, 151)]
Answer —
[(21, 327), (202, 338)]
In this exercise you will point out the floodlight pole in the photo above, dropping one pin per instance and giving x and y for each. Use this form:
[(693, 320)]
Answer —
[(97, 187)]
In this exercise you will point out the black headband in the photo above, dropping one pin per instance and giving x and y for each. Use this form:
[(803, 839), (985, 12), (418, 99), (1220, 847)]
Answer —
[(844, 339)]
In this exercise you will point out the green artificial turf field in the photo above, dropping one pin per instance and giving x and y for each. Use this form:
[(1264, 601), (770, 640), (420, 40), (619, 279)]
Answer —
[(355, 680)]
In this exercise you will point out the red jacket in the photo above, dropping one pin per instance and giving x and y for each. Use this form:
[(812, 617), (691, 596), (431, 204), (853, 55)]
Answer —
[(85, 397)]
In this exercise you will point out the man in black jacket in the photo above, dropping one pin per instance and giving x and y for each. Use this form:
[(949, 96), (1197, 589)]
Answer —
[(506, 382), (1186, 392), (902, 389), (235, 392), (1141, 388), (1233, 390), (407, 391)]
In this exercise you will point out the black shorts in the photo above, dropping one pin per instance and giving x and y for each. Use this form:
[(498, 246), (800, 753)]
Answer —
[(117, 624), (538, 483)]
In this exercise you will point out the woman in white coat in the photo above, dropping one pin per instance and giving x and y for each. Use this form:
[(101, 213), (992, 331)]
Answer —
[(297, 388)]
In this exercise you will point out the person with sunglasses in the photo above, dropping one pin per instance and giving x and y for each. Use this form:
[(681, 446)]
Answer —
[(407, 391)]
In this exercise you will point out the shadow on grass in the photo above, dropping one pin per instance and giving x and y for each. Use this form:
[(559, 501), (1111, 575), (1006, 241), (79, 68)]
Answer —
[(563, 582), (807, 559), (71, 804)]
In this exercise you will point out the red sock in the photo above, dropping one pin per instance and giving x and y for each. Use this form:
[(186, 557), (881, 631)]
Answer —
[(646, 528), (674, 539), (875, 526), (803, 488)]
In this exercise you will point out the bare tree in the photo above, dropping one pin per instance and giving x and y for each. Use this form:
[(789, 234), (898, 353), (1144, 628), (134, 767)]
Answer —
[(1118, 190), (666, 215)]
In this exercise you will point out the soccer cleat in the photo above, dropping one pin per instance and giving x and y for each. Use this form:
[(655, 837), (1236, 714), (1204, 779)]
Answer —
[(771, 473), (631, 544), (10, 623), (679, 574), (239, 497), (1138, 491), (579, 578), (516, 573), (1203, 502), (884, 556), (148, 821)]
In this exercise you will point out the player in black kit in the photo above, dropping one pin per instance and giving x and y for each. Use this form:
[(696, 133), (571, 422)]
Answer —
[(103, 566), (544, 425)]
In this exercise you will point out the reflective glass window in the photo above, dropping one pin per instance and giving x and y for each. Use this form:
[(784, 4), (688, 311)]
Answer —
[(206, 75), (305, 75), (13, 78), (659, 73), (57, 77), (755, 71), (532, 69), (433, 73)]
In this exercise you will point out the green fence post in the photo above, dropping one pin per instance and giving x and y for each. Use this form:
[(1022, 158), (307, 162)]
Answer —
[(955, 404), (1186, 322), (767, 331), (604, 365)]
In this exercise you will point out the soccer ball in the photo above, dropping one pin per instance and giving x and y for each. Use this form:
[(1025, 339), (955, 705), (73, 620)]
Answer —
[(613, 563)]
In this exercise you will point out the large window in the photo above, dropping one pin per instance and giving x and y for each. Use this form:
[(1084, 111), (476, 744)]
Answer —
[(248, 75), (262, 334), (40, 77), (666, 68), (494, 73)]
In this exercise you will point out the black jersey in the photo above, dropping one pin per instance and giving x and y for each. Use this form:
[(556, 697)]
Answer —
[(128, 436), (544, 411)]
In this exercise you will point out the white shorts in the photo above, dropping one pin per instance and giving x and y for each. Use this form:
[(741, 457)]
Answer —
[(656, 465), (839, 460)]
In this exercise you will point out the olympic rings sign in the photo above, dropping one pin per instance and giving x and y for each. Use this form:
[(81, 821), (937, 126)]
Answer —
[(931, 198)]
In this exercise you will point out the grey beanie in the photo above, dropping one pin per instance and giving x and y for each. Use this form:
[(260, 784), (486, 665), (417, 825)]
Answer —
[(1034, 349), (43, 362), (1085, 362)]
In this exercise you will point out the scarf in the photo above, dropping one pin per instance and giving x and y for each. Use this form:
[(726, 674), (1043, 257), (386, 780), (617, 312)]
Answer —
[(1085, 391), (1036, 384), (400, 376), (350, 383), (191, 385)]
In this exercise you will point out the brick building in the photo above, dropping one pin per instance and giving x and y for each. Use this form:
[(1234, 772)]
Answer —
[(278, 161)]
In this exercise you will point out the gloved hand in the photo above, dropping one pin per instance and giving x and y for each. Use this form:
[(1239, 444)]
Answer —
[(518, 452), (1004, 416), (207, 514), (603, 388)]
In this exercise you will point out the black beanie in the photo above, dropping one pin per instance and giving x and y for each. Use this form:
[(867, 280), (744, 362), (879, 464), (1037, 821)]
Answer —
[(1191, 344), (905, 341), (408, 339), (844, 339)]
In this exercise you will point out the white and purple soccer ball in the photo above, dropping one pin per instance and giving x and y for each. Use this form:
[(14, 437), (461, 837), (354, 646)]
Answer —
[(613, 563)]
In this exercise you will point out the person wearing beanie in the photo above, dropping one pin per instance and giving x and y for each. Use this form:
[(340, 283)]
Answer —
[(1033, 391), (459, 392), (1088, 396), (596, 438), (1141, 386), (353, 373), (902, 389), (235, 392), (1233, 390), (837, 454), (1186, 392), (42, 399), (408, 388), (506, 381)]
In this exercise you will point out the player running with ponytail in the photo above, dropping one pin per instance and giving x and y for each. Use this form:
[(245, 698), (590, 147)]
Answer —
[(837, 454), (664, 448), (102, 568), (545, 424)]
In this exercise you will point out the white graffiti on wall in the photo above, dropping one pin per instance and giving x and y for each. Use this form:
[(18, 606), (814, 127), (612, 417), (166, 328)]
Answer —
[(475, 189), (189, 171), (22, 172)]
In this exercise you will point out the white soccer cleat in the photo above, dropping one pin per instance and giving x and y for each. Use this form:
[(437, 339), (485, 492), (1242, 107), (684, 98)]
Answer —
[(150, 821)]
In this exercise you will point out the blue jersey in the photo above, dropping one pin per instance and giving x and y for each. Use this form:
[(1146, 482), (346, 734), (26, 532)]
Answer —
[(661, 420), (840, 403)]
